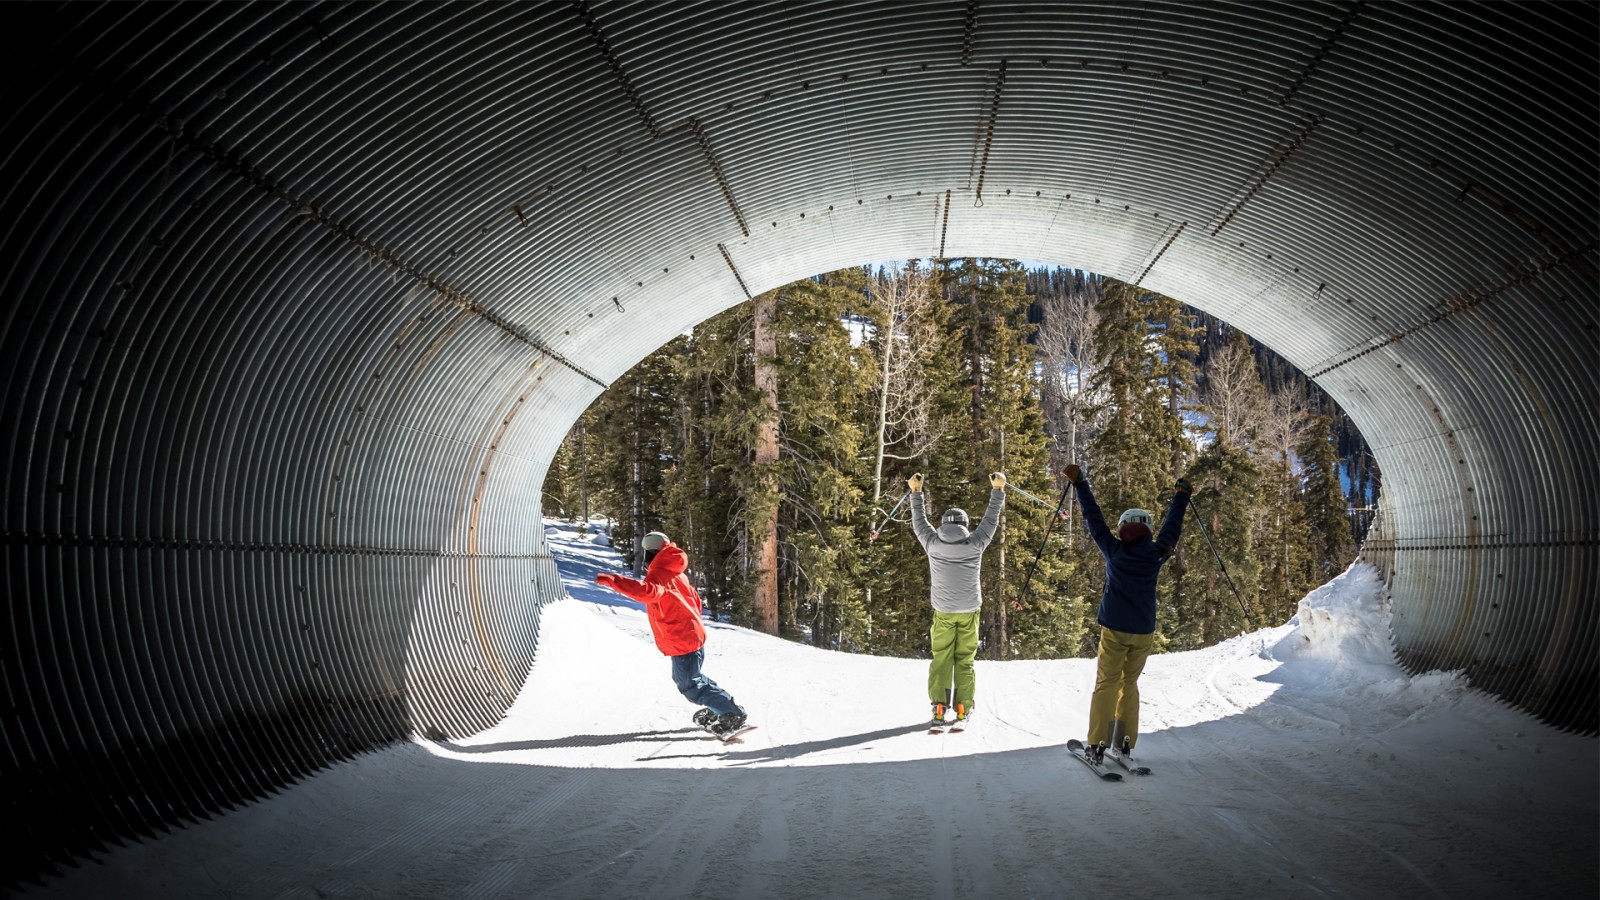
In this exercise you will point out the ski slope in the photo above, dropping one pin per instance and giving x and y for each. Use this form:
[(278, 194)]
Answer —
[(1298, 761)]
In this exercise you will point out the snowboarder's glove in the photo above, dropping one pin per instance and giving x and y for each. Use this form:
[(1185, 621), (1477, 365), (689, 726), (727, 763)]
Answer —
[(1183, 486), (605, 579), (997, 480), (1073, 473), (915, 483)]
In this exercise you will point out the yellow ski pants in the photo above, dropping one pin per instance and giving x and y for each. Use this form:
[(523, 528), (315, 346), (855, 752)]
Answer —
[(1116, 684)]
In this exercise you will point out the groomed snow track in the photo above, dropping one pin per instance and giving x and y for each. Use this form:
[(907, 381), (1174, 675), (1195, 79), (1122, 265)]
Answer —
[(300, 298)]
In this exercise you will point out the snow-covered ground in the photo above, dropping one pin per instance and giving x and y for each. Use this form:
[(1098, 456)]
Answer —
[(1297, 761)]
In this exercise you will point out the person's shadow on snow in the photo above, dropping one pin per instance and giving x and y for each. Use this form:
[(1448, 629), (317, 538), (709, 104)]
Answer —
[(790, 751), (575, 740)]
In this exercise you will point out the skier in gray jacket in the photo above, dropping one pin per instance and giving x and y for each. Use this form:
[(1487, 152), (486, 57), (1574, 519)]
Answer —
[(954, 557)]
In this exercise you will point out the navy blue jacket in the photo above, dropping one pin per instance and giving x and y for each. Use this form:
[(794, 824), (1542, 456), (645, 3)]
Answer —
[(1129, 602)]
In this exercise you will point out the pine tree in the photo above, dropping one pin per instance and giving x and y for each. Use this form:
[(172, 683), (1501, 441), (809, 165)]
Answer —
[(1285, 561), (821, 469), (1130, 460), (1227, 496), (628, 428), (556, 497), (1174, 345), (1330, 541), (1002, 425), (712, 480)]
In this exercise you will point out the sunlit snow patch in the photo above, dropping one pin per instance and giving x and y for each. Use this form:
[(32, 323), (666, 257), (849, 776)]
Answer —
[(1343, 643)]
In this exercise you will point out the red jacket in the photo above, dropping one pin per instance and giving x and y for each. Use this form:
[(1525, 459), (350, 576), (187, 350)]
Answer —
[(670, 601)]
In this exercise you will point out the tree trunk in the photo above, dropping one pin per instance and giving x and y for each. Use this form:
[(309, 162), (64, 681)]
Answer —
[(583, 471), (636, 490), (766, 531), (1208, 632), (883, 410), (1002, 619)]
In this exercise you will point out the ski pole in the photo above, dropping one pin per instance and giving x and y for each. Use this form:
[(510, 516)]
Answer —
[(1201, 522), (1030, 496), (890, 515), (1023, 594)]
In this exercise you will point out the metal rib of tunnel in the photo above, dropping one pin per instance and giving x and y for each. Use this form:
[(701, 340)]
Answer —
[(300, 299)]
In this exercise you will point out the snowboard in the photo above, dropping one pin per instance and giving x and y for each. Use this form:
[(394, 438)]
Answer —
[(733, 736)]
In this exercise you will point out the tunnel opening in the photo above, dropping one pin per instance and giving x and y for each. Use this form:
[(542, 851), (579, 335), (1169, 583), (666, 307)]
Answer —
[(301, 298)]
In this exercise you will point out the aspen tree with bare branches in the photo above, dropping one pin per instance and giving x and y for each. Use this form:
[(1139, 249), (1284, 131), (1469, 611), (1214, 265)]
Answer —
[(901, 303), (1067, 360)]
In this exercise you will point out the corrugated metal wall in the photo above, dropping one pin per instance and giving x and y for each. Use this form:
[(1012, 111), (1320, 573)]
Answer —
[(300, 298)]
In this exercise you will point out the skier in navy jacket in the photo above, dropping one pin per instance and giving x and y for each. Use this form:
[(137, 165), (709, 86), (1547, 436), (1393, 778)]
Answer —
[(1127, 611)]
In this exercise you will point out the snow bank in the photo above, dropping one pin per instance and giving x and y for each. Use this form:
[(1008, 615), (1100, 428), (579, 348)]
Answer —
[(1346, 619), (1345, 626)]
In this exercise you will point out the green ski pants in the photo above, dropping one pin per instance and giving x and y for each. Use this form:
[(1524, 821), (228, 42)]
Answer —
[(954, 640)]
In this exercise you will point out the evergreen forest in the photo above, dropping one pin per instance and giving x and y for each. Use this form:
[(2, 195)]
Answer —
[(773, 442)]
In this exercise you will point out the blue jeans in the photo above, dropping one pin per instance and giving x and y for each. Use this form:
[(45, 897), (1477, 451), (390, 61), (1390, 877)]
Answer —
[(697, 688)]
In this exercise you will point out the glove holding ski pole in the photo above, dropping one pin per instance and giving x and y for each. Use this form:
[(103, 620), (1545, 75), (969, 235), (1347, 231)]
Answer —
[(915, 483), (1073, 473), (997, 480)]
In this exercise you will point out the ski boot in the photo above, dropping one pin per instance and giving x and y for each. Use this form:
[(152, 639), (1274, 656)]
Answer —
[(963, 712), (724, 725), (704, 717), (1119, 743), (938, 714)]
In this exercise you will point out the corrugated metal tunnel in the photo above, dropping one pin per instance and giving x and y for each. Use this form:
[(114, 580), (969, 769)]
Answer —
[(300, 299)]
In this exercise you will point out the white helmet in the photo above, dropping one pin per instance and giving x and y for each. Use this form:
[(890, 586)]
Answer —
[(1142, 516)]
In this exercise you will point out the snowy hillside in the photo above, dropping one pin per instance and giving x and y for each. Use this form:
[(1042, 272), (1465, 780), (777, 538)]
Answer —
[(1295, 761)]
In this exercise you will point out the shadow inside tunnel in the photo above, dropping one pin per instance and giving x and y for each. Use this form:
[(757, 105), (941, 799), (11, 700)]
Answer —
[(576, 740), (1233, 801), (792, 751)]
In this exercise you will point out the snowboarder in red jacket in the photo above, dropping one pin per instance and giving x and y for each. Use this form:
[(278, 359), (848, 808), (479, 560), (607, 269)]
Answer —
[(673, 606)]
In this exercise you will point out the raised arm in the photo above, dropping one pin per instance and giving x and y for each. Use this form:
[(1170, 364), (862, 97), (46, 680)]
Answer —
[(1092, 517), (1172, 527), (984, 533), (645, 591), (919, 515)]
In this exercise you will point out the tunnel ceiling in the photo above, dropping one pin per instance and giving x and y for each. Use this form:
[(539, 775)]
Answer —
[(301, 298)]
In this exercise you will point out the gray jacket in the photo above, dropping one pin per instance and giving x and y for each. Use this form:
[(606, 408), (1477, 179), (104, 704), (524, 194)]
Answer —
[(954, 554)]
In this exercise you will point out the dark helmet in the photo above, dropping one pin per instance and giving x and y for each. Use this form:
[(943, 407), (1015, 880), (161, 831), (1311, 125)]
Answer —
[(954, 515)]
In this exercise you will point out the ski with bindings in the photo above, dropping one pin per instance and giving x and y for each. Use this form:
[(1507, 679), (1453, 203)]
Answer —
[(1128, 763), (1075, 747)]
